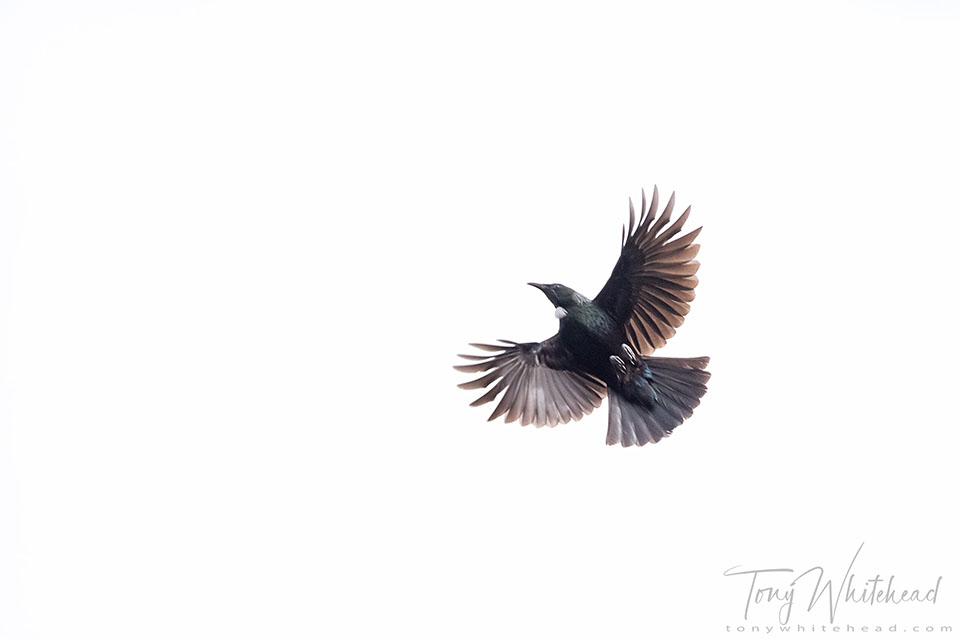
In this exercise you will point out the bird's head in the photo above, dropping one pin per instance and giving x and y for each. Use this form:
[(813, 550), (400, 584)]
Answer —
[(562, 297)]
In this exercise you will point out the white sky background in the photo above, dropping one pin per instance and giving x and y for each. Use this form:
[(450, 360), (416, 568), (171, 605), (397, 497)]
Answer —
[(241, 244)]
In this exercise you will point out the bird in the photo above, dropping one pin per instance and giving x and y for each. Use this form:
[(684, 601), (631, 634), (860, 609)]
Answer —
[(604, 345)]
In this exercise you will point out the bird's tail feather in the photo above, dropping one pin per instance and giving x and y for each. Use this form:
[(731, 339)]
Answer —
[(654, 397)]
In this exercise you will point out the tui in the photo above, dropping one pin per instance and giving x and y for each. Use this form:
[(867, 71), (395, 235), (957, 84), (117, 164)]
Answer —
[(603, 346)]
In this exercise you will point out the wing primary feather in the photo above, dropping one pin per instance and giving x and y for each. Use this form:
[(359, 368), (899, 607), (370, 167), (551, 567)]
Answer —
[(486, 347), (669, 208)]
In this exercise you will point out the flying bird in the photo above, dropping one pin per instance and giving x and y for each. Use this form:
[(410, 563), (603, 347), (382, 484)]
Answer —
[(604, 345)]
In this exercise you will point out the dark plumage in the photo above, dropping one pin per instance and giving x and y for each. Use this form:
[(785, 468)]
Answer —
[(603, 346)]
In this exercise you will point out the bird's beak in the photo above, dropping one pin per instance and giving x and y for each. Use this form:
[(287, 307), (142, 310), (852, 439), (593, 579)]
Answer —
[(538, 286)]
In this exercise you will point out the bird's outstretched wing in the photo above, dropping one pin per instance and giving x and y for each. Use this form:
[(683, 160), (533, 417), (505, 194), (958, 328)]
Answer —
[(540, 381), (653, 282)]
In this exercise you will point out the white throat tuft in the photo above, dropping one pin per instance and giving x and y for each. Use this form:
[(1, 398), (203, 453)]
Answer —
[(560, 313)]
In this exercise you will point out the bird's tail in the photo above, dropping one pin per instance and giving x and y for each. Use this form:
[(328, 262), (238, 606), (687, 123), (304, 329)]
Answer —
[(654, 396)]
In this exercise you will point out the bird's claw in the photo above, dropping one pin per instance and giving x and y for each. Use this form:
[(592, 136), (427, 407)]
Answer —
[(617, 362)]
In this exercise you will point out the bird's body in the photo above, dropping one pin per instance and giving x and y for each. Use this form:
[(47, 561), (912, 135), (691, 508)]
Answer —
[(592, 336), (603, 344)]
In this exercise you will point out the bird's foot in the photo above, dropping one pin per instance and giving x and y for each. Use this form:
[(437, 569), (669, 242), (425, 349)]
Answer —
[(618, 362)]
